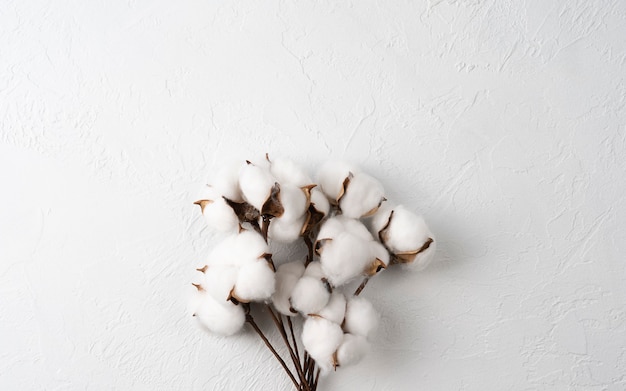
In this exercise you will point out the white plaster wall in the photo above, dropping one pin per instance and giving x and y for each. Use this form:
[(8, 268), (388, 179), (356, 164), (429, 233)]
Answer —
[(503, 122)]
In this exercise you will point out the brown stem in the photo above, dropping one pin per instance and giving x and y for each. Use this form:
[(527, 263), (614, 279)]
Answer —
[(256, 328), (281, 329), (317, 378), (362, 286), (293, 338)]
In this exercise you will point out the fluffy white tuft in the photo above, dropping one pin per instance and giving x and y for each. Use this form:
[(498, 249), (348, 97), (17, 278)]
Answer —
[(256, 281), (287, 276), (319, 201), (361, 317), (287, 172), (335, 310), (220, 318), (256, 184), (352, 350), (321, 338), (294, 201), (345, 257), (226, 180), (363, 196), (309, 295), (285, 231), (219, 280), (218, 214), (331, 177)]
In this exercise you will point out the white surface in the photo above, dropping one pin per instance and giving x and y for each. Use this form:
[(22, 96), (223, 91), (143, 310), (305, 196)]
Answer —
[(503, 122)]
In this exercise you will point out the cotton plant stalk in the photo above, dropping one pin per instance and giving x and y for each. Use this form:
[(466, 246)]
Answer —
[(351, 233)]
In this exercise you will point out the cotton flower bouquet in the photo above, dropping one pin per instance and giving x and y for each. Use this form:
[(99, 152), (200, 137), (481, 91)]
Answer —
[(351, 233)]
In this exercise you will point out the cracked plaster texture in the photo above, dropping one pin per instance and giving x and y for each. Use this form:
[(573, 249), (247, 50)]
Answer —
[(503, 122)]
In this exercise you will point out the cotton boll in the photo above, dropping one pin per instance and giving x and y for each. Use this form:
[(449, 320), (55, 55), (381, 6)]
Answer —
[(256, 282), (321, 338), (363, 196), (352, 350), (287, 172), (408, 238), (219, 280), (335, 310), (331, 178), (220, 318), (226, 180), (345, 257), (286, 231), (218, 214), (256, 184), (287, 276), (309, 295), (361, 317)]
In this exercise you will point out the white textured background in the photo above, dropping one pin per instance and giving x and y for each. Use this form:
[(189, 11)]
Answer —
[(503, 122)]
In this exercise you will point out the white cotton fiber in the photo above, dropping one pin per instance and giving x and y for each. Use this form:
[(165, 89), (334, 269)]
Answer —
[(423, 259), (294, 201), (285, 231), (314, 269), (331, 177), (219, 280), (362, 197), (247, 246), (321, 338), (255, 282), (287, 172), (407, 231), (380, 252), (344, 258), (352, 350), (218, 215), (379, 220), (226, 180), (319, 201), (335, 310), (220, 318), (309, 295), (361, 317), (256, 185), (287, 276)]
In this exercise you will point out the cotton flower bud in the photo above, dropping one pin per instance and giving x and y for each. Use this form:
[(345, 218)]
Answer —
[(333, 178), (362, 197), (219, 215), (287, 275), (352, 350), (255, 282), (260, 189), (287, 172), (226, 181), (311, 293), (407, 237), (223, 318), (361, 318), (321, 338), (335, 310)]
